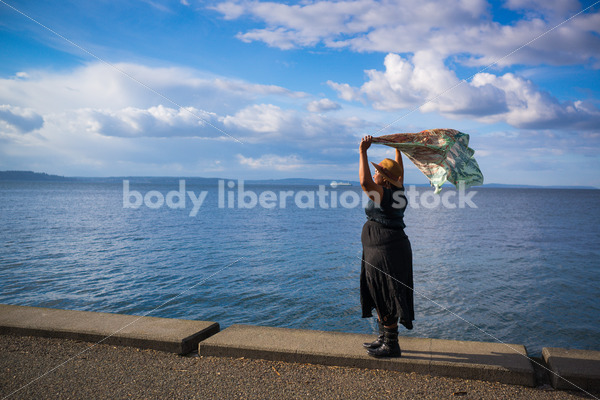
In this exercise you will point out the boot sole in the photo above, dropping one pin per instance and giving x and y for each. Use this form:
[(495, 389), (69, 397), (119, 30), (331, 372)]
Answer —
[(387, 356)]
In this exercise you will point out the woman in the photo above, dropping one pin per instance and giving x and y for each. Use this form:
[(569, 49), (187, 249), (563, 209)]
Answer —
[(386, 278)]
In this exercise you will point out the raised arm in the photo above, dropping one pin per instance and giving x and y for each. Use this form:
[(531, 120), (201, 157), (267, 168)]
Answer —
[(399, 161), (364, 172)]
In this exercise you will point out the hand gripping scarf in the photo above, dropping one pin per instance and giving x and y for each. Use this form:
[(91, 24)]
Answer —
[(441, 154)]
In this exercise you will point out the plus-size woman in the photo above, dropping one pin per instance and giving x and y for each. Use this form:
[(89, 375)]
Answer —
[(386, 278)]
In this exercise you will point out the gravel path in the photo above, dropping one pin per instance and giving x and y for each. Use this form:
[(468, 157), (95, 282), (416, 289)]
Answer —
[(40, 368)]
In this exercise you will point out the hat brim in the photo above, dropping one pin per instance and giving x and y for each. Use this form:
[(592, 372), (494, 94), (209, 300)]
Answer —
[(386, 175)]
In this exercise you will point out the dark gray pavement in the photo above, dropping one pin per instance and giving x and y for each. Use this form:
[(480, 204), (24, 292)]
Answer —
[(43, 368)]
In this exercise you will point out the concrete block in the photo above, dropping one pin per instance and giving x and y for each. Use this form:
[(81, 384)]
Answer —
[(485, 361), (164, 334), (573, 369), (467, 360)]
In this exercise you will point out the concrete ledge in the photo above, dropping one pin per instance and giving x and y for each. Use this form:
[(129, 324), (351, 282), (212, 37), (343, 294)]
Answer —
[(573, 369), (468, 360), (164, 334)]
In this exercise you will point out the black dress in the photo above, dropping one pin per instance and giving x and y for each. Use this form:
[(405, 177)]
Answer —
[(386, 277)]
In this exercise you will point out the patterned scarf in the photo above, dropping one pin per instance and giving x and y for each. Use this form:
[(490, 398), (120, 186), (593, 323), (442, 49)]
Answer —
[(441, 154)]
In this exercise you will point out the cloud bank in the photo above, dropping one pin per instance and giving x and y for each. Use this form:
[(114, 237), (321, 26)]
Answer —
[(96, 116), (424, 81), (454, 27)]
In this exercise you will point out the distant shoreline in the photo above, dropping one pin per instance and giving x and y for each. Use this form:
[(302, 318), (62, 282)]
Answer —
[(30, 176)]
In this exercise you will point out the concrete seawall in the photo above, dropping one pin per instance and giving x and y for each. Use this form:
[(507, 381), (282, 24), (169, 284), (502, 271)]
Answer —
[(469, 360), (496, 362), (164, 334)]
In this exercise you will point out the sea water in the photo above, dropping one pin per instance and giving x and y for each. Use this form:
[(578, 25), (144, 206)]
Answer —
[(508, 265)]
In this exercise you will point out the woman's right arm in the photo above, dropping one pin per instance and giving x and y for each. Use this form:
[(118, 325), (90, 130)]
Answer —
[(364, 172)]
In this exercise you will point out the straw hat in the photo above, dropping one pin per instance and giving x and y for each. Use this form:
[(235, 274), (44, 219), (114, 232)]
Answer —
[(390, 170)]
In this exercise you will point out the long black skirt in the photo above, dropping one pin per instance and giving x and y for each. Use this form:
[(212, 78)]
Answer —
[(386, 276)]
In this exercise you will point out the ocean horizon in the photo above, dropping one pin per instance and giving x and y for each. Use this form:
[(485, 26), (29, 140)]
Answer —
[(17, 175)]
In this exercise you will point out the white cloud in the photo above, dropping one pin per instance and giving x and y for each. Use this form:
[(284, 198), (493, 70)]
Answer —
[(237, 86), (463, 27), (159, 121), (292, 25), (267, 123), (323, 105), (424, 81), (345, 91), (272, 161), (100, 86), (19, 120), (262, 118), (230, 10)]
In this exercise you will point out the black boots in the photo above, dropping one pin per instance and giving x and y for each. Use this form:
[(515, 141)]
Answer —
[(379, 341), (389, 347)]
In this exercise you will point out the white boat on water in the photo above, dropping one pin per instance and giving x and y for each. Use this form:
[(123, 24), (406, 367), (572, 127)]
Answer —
[(336, 184)]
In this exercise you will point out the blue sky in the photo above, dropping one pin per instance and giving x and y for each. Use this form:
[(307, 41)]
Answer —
[(257, 89)]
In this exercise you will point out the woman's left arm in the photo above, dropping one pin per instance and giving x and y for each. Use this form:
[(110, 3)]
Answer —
[(399, 161)]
